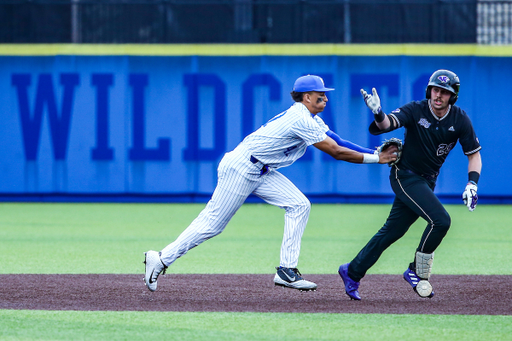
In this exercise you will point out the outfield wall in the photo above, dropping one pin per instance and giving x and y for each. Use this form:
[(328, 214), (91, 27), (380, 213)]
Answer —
[(145, 121)]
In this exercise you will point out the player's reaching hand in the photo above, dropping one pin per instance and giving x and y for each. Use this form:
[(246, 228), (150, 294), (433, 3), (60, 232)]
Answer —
[(388, 155)]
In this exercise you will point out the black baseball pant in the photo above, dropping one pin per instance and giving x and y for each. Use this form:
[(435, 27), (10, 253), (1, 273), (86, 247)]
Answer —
[(414, 198)]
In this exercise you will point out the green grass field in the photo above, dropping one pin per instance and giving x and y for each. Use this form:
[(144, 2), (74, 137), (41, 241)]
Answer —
[(111, 238)]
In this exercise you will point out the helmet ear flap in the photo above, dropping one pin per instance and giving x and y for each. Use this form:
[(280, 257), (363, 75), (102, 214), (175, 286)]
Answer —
[(453, 99), (427, 92)]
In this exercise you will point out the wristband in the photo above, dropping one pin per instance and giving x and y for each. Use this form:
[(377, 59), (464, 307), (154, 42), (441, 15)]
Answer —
[(371, 158), (379, 116), (473, 177)]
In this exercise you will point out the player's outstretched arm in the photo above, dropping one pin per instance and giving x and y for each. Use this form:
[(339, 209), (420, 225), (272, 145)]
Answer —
[(350, 145), (330, 147)]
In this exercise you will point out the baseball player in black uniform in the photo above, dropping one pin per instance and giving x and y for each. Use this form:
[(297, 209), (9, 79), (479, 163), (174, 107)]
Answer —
[(432, 128)]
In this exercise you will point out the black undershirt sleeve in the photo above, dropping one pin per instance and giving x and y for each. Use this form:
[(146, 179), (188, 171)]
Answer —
[(374, 130)]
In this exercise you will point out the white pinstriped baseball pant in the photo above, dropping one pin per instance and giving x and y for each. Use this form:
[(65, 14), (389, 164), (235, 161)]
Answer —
[(238, 177)]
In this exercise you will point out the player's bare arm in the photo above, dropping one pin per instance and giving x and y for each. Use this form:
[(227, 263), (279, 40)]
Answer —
[(330, 147), (475, 163)]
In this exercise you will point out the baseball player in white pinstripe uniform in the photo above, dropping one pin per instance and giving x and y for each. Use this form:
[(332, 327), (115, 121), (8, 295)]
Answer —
[(251, 168)]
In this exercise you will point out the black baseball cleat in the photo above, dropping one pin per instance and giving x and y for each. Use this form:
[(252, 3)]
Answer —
[(292, 278)]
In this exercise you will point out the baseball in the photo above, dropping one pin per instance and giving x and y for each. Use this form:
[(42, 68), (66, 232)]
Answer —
[(424, 288)]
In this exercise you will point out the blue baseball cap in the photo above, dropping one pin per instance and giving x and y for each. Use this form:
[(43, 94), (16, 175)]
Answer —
[(310, 83)]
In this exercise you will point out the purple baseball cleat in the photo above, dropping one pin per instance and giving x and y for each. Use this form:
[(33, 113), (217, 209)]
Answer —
[(351, 286)]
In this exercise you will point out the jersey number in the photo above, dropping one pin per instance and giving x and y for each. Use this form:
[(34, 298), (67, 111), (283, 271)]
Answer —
[(444, 149)]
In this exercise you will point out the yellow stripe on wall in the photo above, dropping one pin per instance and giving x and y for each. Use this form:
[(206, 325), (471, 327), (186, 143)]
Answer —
[(256, 50)]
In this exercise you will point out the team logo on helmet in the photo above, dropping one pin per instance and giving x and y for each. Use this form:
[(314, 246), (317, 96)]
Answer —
[(443, 79)]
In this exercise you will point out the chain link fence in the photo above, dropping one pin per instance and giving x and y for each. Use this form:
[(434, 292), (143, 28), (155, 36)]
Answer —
[(255, 21)]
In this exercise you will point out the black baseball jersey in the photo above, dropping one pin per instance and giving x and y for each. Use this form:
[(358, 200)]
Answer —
[(428, 139)]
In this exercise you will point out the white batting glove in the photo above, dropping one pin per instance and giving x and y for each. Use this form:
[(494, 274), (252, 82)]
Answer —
[(470, 197), (372, 101)]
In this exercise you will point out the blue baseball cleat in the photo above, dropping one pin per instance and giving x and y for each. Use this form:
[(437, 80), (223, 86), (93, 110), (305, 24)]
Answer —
[(351, 286)]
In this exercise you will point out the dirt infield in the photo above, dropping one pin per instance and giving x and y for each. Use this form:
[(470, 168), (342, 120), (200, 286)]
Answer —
[(385, 294)]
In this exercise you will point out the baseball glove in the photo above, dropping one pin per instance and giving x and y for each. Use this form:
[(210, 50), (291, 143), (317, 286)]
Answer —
[(392, 142)]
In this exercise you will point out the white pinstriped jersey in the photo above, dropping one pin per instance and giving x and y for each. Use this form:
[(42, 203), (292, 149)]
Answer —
[(285, 137)]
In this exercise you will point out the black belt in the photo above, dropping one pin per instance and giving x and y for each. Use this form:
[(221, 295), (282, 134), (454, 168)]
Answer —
[(426, 176), (264, 169)]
